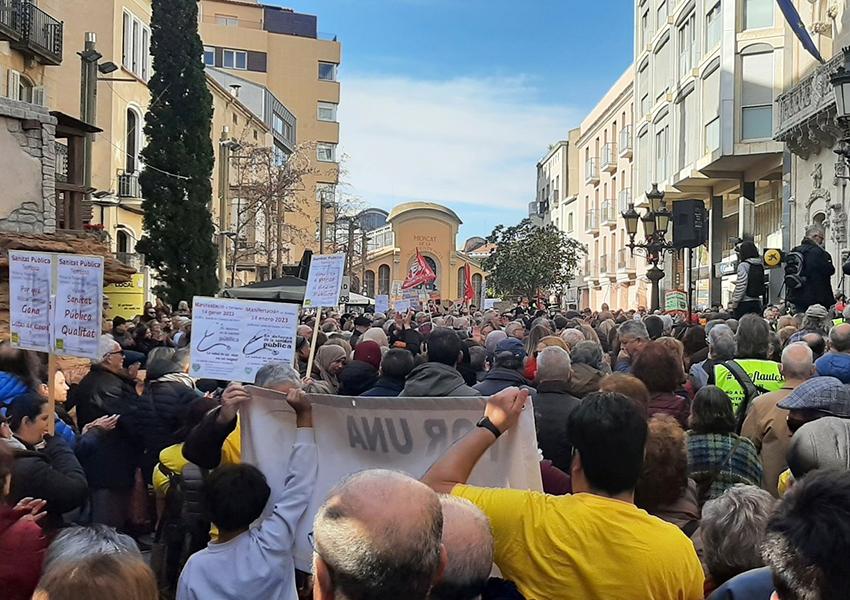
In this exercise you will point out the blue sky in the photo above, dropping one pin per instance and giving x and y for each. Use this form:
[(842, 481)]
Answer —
[(454, 101)]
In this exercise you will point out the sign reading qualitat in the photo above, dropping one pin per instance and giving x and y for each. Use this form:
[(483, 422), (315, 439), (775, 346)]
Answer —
[(324, 281), (232, 339), (77, 322), (30, 285), (353, 434)]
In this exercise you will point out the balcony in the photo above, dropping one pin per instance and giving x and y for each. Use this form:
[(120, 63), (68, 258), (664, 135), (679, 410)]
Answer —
[(625, 261), (626, 142), (609, 157), (608, 213), (591, 221), (603, 264), (591, 171), (590, 272), (31, 31), (807, 112), (624, 198), (128, 186), (131, 259)]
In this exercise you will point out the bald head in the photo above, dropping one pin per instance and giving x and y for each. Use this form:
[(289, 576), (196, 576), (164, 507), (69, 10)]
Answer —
[(839, 338), (378, 535), (469, 547), (798, 361)]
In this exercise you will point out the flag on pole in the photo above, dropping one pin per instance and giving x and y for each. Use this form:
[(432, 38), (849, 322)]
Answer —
[(420, 273), (799, 28), (468, 292)]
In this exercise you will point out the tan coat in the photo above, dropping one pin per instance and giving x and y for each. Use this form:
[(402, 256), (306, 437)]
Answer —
[(767, 427)]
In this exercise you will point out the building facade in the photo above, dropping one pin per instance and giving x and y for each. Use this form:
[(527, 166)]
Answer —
[(284, 51), (603, 153), (552, 184), (815, 177), (707, 73), (432, 230)]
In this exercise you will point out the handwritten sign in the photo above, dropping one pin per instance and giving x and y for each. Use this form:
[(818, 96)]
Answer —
[(79, 305), (30, 286), (232, 339), (402, 306), (382, 303), (324, 281)]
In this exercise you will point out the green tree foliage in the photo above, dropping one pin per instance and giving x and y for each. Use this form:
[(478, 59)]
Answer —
[(178, 158), (529, 259)]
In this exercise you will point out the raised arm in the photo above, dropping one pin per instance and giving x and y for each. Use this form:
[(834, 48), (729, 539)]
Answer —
[(455, 465)]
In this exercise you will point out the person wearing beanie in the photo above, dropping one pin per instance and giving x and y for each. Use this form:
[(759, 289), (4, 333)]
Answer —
[(361, 325)]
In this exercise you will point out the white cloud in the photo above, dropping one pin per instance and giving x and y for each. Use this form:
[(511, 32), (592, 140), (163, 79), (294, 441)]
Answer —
[(455, 142)]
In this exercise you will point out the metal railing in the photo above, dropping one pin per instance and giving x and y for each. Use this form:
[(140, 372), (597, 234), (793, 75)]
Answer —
[(128, 186), (626, 141), (590, 268), (608, 212), (131, 259), (625, 260), (28, 27), (591, 169), (624, 199), (591, 220), (61, 162), (603, 263), (229, 21), (609, 157)]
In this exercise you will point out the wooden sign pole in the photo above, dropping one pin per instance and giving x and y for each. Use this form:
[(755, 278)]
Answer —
[(51, 358), (313, 343)]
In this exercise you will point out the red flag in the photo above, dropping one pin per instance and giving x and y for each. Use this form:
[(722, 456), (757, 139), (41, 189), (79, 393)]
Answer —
[(468, 292), (420, 273)]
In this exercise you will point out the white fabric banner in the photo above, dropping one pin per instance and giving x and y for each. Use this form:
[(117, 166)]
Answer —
[(405, 434)]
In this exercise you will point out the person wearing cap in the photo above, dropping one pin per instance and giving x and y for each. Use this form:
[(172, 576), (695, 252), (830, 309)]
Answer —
[(816, 398), (361, 325), (508, 362), (821, 444), (816, 272)]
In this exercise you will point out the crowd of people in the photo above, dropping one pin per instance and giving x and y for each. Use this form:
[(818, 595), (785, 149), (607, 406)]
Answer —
[(680, 459)]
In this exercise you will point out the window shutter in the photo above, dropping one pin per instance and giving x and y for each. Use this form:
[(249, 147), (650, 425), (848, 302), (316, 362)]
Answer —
[(13, 85), (38, 96)]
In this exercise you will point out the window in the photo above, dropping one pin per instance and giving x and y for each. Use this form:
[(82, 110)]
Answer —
[(209, 56), (288, 132), (227, 20), (712, 28), (757, 96), (687, 134), (327, 71), (280, 156), (661, 152), (327, 111), (643, 85), (326, 152), (569, 222), (645, 28), (687, 46), (235, 119), (235, 59), (277, 123), (136, 48), (369, 283), (643, 161), (758, 13), (661, 14), (477, 283), (661, 70), (256, 135), (711, 110), (133, 142), (383, 279)]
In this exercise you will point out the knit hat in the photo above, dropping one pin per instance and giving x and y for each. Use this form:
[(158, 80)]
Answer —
[(817, 311), (368, 352), (826, 394)]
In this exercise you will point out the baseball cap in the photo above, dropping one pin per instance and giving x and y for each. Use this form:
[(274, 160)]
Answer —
[(511, 345), (820, 444), (826, 394)]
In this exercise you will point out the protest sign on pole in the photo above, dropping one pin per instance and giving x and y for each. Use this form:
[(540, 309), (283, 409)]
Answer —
[(402, 306), (324, 280), (382, 303), (353, 434), (232, 339), (675, 300), (30, 287), (78, 322)]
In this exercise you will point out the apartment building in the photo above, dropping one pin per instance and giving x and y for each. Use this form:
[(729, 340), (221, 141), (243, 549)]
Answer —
[(816, 177), (552, 180), (284, 51), (603, 153), (707, 73)]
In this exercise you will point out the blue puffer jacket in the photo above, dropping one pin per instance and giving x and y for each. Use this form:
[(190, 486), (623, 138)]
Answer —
[(11, 386), (834, 364)]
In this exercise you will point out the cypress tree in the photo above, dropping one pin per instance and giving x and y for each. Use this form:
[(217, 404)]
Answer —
[(176, 185)]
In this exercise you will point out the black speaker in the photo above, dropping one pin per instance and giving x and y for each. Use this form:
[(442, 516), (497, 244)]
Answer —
[(690, 223)]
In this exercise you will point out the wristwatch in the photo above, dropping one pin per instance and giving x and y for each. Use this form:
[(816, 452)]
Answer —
[(487, 424)]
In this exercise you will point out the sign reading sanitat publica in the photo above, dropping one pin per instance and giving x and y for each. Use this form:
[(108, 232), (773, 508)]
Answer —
[(30, 277), (79, 305)]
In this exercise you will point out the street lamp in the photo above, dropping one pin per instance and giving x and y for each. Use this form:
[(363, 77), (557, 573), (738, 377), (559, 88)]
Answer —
[(655, 222), (841, 88)]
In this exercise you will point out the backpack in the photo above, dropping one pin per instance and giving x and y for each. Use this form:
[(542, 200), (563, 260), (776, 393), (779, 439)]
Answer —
[(182, 529), (755, 281), (794, 262), (751, 390)]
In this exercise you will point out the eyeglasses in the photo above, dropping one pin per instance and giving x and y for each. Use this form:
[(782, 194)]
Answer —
[(121, 352)]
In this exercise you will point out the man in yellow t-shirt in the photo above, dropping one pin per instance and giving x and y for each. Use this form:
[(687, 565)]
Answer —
[(594, 543)]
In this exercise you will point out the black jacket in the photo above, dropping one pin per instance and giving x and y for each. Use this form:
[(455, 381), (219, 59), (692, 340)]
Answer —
[(500, 378), (552, 408), (356, 377), (817, 273), (385, 388), (52, 474), (204, 442), (112, 463)]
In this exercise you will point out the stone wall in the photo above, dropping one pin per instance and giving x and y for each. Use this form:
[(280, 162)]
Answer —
[(28, 148)]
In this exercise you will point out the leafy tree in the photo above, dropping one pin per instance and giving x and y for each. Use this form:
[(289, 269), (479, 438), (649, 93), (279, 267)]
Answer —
[(176, 187), (529, 259)]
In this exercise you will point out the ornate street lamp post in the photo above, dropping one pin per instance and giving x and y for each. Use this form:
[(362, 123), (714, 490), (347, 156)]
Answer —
[(655, 222)]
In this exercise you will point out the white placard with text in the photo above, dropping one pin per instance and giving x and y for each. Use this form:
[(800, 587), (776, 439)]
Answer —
[(77, 322), (325, 280), (30, 286)]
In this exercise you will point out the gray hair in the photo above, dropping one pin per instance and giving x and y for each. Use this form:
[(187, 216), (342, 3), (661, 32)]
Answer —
[(634, 328), (512, 326), (182, 358), (469, 545), (105, 345), (722, 342), (74, 544), (161, 352), (797, 361), (553, 364), (733, 529), (572, 337), (815, 229), (839, 338), (587, 353), (752, 337), (277, 373)]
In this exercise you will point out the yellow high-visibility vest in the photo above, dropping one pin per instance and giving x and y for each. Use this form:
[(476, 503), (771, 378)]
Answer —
[(764, 374)]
